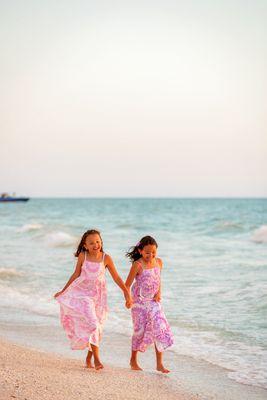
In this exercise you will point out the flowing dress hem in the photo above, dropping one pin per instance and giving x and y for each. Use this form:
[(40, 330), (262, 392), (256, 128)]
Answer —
[(161, 347)]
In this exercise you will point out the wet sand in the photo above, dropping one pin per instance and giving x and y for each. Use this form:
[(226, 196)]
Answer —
[(34, 375)]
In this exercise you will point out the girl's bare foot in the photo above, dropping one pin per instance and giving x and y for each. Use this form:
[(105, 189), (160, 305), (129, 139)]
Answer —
[(88, 360), (161, 368), (135, 366), (98, 365)]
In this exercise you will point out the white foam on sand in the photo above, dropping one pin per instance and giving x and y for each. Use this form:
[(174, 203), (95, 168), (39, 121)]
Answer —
[(229, 354)]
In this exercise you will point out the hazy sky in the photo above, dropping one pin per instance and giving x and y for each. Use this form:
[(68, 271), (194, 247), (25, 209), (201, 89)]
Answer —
[(133, 98)]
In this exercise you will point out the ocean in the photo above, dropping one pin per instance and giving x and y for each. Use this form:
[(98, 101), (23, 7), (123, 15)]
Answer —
[(214, 279)]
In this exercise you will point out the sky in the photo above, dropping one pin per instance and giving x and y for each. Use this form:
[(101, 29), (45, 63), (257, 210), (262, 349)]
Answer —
[(133, 98)]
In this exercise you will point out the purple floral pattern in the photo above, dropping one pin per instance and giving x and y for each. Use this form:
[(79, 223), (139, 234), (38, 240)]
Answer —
[(149, 322), (83, 306)]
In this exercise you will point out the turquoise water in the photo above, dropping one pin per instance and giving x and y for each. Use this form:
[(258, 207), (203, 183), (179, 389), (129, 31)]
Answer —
[(214, 278)]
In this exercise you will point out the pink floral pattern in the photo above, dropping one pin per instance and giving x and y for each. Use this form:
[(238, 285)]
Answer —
[(83, 306), (149, 322)]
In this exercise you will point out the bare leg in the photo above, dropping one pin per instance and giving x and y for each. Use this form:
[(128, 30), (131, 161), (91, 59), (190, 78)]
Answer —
[(160, 366), (133, 362), (98, 364), (89, 359)]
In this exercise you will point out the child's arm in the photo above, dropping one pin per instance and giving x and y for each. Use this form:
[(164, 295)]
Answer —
[(75, 274), (157, 296), (117, 279), (132, 274)]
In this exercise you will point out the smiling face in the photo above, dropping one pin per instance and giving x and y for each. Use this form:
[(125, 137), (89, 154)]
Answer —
[(148, 252), (93, 243)]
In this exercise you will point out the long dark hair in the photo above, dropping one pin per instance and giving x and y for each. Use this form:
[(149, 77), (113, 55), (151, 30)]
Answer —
[(133, 252), (81, 247)]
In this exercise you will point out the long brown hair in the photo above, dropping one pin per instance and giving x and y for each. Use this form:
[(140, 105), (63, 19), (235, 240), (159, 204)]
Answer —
[(81, 247)]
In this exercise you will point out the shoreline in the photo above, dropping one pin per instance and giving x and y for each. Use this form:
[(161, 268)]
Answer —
[(41, 343), (35, 375)]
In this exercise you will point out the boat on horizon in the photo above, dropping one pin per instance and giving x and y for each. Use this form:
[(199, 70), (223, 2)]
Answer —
[(5, 197)]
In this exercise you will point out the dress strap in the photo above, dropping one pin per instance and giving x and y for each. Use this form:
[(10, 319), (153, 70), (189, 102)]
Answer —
[(139, 261), (84, 256), (103, 258)]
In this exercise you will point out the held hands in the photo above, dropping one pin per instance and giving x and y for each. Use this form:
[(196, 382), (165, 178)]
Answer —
[(128, 300), (157, 297), (128, 303)]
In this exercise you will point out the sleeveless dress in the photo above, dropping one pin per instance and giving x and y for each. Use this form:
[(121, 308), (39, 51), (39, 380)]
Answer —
[(149, 322), (83, 306)]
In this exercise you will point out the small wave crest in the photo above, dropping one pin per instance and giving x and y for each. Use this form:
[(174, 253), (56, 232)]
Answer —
[(7, 273), (60, 239), (25, 299), (247, 363), (225, 225), (29, 227), (260, 234)]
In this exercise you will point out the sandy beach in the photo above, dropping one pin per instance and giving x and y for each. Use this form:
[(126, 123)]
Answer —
[(33, 375), (36, 364)]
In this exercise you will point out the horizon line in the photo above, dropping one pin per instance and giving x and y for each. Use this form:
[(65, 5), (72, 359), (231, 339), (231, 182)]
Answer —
[(147, 197)]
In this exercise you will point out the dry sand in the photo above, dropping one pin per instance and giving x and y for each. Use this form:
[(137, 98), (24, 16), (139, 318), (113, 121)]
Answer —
[(32, 375)]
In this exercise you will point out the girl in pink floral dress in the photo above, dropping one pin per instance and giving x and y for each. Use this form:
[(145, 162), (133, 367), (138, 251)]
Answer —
[(83, 300), (149, 322)]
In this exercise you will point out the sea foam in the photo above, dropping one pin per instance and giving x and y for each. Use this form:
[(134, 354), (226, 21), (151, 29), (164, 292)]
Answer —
[(7, 273), (29, 227), (60, 239), (260, 235)]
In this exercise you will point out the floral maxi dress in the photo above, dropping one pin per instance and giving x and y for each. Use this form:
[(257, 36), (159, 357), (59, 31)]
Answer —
[(83, 306), (149, 321)]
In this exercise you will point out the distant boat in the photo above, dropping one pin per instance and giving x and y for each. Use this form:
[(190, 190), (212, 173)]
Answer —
[(5, 197)]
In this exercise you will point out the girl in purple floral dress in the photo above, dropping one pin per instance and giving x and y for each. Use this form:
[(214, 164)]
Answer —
[(149, 322)]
